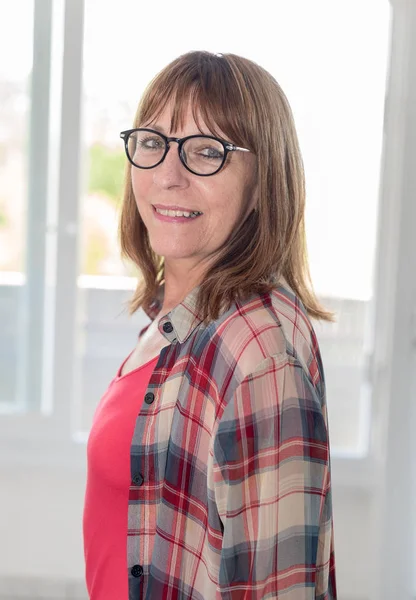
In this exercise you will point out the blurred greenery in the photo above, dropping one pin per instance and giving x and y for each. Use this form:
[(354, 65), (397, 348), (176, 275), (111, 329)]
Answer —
[(3, 218), (96, 252), (106, 177), (106, 172)]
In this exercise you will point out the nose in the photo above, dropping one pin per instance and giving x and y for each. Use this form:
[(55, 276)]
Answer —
[(171, 172)]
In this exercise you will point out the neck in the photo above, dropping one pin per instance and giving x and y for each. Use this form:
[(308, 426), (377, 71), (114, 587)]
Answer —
[(177, 285)]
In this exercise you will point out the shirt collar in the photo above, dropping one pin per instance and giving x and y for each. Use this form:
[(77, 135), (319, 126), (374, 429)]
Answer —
[(179, 322), (183, 318)]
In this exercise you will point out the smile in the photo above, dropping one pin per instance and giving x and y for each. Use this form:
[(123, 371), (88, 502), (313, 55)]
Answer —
[(176, 216)]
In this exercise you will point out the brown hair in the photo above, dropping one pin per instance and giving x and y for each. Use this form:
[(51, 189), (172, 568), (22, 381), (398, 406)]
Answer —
[(241, 99)]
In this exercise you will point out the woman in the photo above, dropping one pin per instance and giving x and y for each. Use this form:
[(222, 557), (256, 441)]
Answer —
[(208, 458)]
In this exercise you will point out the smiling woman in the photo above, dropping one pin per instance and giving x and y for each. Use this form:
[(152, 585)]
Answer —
[(219, 482)]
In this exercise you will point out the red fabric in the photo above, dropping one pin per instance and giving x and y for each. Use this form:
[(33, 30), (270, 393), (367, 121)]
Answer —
[(108, 483)]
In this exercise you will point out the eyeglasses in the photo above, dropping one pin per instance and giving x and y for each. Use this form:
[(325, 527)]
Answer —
[(201, 154)]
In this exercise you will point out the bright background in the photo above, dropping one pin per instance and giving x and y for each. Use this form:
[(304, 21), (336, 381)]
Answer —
[(71, 75)]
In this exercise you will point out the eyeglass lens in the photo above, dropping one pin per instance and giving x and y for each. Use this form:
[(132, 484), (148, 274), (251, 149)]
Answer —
[(202, 155)]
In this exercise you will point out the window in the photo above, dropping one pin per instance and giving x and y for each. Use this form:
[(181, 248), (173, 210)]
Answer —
[(336, 90), (70, 299)]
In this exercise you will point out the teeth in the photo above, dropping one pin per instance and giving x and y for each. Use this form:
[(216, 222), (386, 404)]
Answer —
[(177, 213)]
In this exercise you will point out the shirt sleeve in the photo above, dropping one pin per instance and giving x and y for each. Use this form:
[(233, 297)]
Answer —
[(272, 488)]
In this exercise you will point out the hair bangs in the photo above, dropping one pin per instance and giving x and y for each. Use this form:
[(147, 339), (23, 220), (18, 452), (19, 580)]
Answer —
[(202, 87)]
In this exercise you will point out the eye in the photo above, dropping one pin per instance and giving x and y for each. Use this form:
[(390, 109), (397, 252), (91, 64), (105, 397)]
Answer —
[(150, 142), (211, 152), (207, 149)]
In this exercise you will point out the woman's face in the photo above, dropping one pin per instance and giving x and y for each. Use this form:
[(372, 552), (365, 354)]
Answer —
[(224, 200)]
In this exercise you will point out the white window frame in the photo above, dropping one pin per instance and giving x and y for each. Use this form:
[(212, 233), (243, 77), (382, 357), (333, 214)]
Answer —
[(39, 431), (394, 365)]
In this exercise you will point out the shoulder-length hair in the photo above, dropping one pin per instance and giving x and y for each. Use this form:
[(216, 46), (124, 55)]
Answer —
[(242, 100)]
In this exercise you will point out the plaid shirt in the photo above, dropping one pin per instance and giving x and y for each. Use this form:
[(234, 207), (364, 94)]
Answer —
[(230, 494)]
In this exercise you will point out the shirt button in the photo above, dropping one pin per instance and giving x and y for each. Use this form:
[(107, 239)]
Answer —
[(149, 398), (137, 571), (138, 479), (167, 327)]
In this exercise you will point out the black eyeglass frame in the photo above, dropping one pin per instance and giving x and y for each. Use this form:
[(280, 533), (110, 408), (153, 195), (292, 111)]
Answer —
[(228, 147)]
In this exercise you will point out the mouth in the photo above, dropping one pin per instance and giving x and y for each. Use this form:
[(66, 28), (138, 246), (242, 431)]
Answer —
[(176, 216)]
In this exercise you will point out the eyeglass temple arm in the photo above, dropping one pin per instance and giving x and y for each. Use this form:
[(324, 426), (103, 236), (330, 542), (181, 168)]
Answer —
[(231, 147)]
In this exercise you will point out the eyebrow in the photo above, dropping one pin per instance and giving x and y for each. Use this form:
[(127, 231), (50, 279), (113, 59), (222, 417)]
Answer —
[(158, 128)]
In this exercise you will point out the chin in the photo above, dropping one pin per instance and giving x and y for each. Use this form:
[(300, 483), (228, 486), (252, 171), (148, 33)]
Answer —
[(168, 252)]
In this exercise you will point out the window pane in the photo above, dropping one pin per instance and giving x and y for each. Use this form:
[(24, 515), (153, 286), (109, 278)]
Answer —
[(335, 82), (15, 74)]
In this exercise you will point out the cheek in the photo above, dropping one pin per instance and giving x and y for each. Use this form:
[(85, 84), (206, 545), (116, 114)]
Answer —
[(230, 202), (140, 184), (133, 179), (221, 197)]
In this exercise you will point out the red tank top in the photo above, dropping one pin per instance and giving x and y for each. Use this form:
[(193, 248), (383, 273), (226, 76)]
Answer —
[(108, 482)]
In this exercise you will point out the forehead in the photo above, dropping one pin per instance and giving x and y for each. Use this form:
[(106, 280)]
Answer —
[(183, 119)]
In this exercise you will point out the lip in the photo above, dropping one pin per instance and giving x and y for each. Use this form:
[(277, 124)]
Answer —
[(175, 207), (173, 219)]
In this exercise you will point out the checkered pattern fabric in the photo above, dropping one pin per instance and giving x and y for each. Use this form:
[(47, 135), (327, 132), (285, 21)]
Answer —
[(231, 450)]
